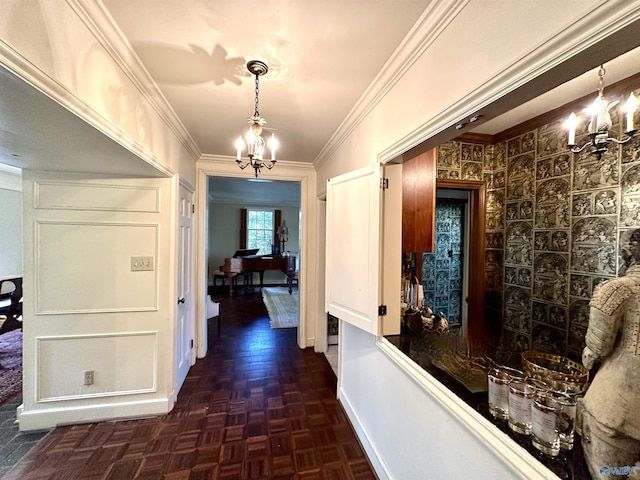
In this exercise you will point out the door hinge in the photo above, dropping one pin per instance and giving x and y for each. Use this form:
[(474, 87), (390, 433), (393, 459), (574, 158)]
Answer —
[(193, 208), (192, 343), (384, 183), (382, 310)]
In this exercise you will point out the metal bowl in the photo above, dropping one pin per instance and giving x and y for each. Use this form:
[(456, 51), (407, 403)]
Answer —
[(560, 373)]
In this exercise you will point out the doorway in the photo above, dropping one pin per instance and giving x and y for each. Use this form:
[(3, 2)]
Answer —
[(231, 203), (445, 271), (467, 198)]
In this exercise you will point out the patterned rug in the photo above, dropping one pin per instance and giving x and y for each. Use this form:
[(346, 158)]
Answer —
[(10, 364), (282, 307)]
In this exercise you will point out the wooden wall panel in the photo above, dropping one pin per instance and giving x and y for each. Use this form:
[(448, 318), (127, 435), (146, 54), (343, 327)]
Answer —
[(418, 203)]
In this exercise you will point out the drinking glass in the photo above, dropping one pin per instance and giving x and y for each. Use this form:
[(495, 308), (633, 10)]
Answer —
[(544, 421), (565, 406), (521, 394), (498, 380)]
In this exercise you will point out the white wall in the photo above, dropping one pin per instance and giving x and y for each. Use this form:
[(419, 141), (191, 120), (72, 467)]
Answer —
[(11, 238), (468, 54), (85, 309)]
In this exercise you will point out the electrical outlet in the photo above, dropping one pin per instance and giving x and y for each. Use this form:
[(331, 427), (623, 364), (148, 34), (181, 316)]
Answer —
[(88, 377), (139, 264)]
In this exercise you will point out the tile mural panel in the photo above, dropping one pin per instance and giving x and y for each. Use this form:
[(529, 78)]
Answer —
[(630, 189), (517, 308), (519, 175), (442, 270), (519, 244), (547, 339), (495, 210), (589, 172), (552, 139), (578, 323), (552, 204), (515, 342), (550, 272), (553, 219), (594, 245)]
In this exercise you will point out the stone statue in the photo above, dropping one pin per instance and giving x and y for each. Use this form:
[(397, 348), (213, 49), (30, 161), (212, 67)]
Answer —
[(611, 406)]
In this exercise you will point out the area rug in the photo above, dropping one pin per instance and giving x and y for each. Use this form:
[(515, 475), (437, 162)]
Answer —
[(10, 364), (282, 307)]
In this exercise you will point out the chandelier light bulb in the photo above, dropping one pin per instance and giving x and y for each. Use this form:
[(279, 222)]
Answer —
[(630, 108), (571, 124), (239, 148), (273, 146)]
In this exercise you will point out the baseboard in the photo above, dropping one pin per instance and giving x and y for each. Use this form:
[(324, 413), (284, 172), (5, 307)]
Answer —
[(374, 459), (42, 419)]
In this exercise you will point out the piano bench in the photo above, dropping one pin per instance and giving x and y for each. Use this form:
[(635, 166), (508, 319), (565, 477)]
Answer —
[(218, 275)]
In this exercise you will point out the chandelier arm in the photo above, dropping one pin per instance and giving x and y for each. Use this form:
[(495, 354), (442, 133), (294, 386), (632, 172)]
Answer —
[(622, 142), (576, 149)]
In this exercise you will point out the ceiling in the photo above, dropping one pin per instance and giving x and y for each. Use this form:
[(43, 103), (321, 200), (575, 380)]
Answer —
[(322, 56)]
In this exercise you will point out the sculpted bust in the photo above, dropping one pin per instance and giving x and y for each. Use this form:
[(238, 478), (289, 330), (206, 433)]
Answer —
[(611, 406)]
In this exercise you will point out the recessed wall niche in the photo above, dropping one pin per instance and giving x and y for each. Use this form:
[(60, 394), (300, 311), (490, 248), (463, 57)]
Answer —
[(553, 221)]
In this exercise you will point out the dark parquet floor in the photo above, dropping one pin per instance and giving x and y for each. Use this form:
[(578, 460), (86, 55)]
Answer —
[(257, 407)]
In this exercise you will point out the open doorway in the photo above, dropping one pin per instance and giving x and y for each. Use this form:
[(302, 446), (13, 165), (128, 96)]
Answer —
[(253, 243)]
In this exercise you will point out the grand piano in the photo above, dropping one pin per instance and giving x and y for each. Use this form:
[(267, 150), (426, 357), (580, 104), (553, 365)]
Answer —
[(245, 261)]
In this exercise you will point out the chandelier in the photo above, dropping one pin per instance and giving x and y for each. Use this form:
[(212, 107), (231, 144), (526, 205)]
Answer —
[(255, 144), (600, 122)]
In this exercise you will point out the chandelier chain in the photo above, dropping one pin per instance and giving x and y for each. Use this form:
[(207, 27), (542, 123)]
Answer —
[(257, 113), (601, 74)]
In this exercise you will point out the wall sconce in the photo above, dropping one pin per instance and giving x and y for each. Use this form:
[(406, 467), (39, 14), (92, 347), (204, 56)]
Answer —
[(600, 122)]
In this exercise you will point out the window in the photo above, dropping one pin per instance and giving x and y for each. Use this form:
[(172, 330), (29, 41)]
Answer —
[(260, 230)]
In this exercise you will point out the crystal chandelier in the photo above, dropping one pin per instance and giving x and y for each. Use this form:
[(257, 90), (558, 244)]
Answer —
[(255, 144), (600, 122)]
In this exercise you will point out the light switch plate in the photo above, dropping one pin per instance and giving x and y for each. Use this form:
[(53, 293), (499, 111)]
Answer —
[(139, 264)]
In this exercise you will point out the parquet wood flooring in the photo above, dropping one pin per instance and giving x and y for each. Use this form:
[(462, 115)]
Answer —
[(257, 407)]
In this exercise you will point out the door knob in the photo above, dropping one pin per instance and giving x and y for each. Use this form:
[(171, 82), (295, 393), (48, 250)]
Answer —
[(181, 300)]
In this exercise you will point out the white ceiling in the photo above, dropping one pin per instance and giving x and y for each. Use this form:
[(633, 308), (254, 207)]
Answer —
[(322, 57)]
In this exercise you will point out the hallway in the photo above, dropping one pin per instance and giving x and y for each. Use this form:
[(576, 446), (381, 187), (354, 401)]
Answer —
[(257, 407)]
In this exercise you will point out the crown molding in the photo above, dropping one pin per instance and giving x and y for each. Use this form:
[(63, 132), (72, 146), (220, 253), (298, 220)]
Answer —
[(10, 178), (104, 28), (582, 41), (433, 21), (15, 63)]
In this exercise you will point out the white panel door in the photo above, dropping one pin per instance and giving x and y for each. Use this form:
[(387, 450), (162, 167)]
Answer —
[(353, 246), (185, 327)]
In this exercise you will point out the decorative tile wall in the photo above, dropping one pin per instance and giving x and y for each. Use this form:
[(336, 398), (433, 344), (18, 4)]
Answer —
[(442, 270), (553, 220)]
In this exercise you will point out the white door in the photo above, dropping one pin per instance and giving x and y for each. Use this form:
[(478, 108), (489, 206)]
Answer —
[(185, 328)]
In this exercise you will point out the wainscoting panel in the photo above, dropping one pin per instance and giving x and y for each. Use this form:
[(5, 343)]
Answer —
[(79, 262), (81, 196), (122, 364)]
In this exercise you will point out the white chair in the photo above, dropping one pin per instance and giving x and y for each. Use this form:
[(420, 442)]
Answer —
[(213, 310)]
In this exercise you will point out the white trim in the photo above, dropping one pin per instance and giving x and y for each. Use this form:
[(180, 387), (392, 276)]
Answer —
[(505, 448), (225, 166), (103, 27), (10, 178), (427, 29), (40, 419), (363, 437)]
